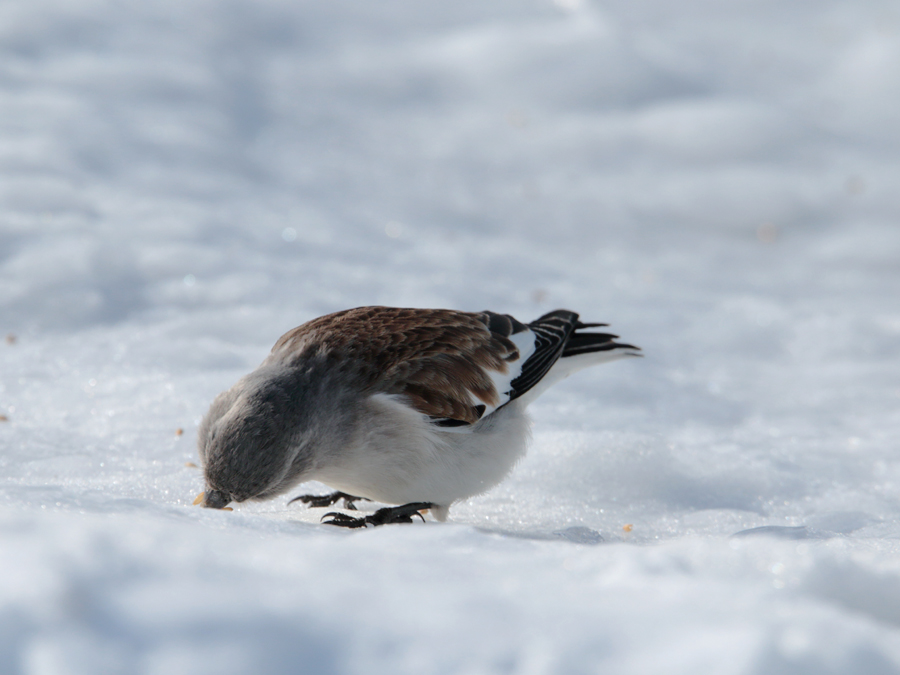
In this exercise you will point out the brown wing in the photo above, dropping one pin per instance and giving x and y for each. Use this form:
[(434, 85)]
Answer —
[(439, 359)]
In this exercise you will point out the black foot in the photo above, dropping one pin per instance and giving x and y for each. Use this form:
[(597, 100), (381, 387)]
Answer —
[(391, 514), (319, 501)]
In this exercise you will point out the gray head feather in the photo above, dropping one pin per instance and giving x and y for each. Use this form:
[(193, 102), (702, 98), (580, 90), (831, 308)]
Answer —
[(261, 436)]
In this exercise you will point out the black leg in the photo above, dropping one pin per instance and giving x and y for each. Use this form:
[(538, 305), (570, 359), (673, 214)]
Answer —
[(319, 501), (391, 514)]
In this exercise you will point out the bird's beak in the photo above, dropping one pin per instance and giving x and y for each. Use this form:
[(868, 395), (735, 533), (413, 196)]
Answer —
[(213, 499)]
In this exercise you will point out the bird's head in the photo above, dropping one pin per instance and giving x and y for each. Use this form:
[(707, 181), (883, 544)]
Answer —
[(254, 441)]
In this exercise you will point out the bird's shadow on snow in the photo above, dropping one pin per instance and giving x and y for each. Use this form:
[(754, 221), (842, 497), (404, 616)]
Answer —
[(820, 526), (573, 535)]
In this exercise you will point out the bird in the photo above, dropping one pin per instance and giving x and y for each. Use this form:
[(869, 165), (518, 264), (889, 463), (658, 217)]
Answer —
[(416, 408)]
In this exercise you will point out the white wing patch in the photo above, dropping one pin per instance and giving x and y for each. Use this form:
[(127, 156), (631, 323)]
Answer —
[(525, 343)]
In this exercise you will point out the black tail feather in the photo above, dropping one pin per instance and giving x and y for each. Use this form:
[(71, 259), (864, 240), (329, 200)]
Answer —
[(585, 343)]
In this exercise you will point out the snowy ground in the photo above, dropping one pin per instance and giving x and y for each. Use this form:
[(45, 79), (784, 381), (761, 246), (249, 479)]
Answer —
[(182, 181)]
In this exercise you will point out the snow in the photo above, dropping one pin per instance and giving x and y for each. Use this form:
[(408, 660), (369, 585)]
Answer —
[(182, 182)]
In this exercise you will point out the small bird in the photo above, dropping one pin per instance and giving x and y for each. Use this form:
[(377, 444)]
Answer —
[(416, 407)]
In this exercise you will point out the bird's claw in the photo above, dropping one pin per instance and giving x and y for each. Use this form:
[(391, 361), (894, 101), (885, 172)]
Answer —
[(321, 501), (385, 516), (317, 501), (342, 520)]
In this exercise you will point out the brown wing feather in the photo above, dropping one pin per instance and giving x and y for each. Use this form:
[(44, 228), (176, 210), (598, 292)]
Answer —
[(436, 358)]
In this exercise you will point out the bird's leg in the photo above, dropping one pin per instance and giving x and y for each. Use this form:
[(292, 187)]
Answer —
[(391, 514), (319, 501), (349, 499)]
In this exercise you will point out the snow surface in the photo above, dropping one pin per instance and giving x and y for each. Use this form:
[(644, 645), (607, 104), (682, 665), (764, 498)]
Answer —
[(181, 181)]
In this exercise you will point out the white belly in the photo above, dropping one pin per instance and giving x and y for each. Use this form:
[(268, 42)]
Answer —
[(399, 457)]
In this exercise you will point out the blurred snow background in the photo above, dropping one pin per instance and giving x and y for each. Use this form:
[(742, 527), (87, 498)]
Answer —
[(181, 182)]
